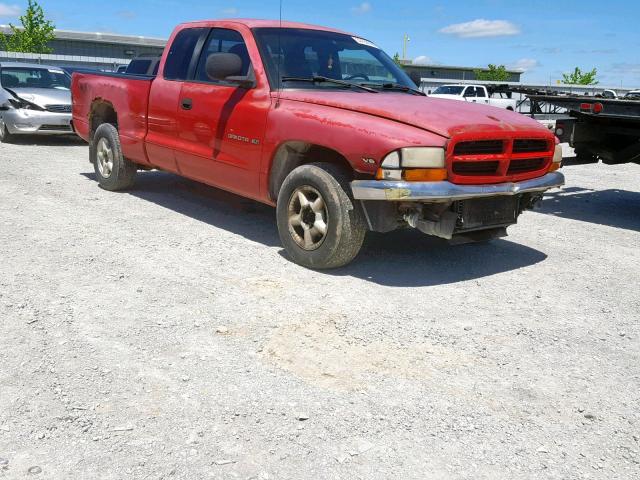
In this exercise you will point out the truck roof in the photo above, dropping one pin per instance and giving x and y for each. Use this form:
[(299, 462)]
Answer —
[(257, 23)]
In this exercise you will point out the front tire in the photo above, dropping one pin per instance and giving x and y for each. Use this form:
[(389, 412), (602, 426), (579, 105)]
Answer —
[(113, 171), (319, 223), (5, 136)]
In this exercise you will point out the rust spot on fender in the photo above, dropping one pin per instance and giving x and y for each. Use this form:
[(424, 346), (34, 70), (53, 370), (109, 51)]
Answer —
[(397, 193)]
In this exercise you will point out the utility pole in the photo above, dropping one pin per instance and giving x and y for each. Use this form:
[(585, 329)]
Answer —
[(405, 40)]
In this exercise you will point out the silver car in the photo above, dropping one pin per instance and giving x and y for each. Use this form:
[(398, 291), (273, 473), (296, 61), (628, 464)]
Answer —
[(34, 99)]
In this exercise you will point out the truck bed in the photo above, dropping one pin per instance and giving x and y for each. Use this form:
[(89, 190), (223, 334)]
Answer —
[(126, 94)]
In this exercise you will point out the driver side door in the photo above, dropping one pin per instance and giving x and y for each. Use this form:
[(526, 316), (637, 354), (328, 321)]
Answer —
[(221, 125)]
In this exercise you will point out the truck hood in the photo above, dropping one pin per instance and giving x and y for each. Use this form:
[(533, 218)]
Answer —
[(442, 117), (44, 96)]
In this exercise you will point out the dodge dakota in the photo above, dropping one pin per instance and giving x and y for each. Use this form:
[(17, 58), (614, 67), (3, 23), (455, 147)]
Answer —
[(324, 126)]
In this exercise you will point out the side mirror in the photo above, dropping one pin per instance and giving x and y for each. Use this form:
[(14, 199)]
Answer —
[(227, 67)]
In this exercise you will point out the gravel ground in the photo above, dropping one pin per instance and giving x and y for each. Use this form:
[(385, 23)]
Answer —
[(162, 334)]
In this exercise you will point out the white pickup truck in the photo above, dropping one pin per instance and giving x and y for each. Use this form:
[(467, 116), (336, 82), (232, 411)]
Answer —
[(474, 94)]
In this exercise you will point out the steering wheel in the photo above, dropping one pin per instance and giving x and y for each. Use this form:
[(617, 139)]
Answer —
[(358, 75)]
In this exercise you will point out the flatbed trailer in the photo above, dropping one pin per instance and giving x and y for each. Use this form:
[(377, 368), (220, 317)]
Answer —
[(597, 128)]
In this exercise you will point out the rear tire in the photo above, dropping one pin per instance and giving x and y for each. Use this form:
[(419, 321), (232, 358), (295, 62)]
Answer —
[(319, 223), (5, 136), (113, 171)]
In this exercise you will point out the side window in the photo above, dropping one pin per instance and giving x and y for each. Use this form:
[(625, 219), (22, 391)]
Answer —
[(181, 53), (221, 40), (481, 92), (470, 92)]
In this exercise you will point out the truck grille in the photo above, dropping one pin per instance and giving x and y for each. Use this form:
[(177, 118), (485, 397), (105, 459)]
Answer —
[(55, 128), (528, 145), (475, 168), (479, 147), (58, 108), (498, 160), (526, 165)]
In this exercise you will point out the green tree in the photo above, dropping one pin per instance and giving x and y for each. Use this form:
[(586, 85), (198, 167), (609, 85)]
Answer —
[(578, 77), (34, 35), (493, 73), (396, 58)]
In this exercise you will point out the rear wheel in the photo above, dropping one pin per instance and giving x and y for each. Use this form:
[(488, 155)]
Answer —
[(319, 223), (113, 171)]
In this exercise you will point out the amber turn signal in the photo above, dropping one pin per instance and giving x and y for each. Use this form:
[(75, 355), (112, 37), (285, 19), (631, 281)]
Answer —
[(425, 175), (554, 167)]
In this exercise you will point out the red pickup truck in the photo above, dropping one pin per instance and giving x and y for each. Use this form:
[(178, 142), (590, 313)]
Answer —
[(321, 124)]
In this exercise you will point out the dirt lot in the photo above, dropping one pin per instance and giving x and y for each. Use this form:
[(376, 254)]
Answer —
[(162, 334)]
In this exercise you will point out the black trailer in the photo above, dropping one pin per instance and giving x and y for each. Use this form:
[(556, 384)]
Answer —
[(597, 128)]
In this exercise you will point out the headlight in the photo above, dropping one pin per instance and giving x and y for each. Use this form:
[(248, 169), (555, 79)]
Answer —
[(22, 104), (391, 161), (422, 157), (415, 157), (557, 159), (414, 164)]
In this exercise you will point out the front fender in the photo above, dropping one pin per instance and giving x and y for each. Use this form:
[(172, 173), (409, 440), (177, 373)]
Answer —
[(362, 139)]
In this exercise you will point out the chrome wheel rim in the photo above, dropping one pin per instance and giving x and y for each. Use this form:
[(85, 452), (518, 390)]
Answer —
[(104, 158), (308, 218)]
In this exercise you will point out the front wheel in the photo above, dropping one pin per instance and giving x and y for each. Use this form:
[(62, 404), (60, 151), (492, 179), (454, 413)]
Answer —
[(319, 223), (113, 171), (5, 136)]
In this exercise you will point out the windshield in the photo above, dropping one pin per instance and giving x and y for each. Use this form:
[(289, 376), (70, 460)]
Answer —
[(24, 77), (300, 53), (448, 90)]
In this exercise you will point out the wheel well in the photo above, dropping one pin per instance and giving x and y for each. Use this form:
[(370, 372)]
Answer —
[(510, 108), (102, 111), (293, 154)]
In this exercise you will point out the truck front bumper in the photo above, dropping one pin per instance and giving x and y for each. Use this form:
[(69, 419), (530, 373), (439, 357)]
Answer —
[(446, 191)]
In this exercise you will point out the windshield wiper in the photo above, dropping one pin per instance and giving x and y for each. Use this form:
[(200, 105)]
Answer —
[(403, 88), (320, 79)]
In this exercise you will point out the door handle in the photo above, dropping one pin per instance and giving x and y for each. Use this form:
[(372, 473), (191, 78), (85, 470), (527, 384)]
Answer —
[(186, 104)]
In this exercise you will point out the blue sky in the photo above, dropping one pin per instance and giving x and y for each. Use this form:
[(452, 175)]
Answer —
[(544, 37)]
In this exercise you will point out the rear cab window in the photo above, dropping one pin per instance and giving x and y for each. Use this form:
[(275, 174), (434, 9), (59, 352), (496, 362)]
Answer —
[(139, 67)]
